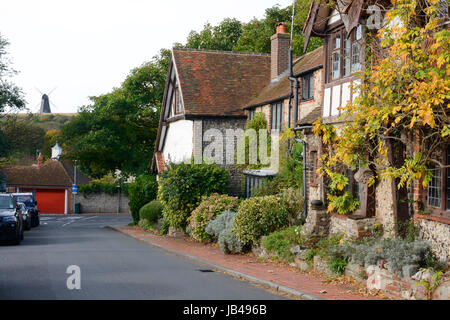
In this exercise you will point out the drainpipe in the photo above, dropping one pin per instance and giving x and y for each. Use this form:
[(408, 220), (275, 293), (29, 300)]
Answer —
[(304, 153)]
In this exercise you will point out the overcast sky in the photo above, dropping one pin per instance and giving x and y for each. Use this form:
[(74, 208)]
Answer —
[(85, 48)]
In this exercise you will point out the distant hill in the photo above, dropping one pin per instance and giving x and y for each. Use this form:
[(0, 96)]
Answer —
[(47, 121)]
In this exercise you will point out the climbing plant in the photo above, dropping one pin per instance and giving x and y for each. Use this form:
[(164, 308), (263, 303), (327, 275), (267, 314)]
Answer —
[(404, 99)]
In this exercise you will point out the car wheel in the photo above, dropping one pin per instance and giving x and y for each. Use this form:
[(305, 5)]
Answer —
[(18, 238), (28, 226)]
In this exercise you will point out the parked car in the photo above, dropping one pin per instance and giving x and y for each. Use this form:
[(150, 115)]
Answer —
[(11, 221), (31, 204), (26, 216)]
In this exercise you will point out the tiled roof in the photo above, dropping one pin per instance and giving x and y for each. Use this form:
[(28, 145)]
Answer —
[(52, 173), (281, 89), (219, 83), (311, 117)]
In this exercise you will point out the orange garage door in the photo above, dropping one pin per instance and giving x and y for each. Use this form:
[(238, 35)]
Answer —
[(50, 200)]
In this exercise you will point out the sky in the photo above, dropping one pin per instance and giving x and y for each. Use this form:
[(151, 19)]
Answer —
[(87, 47)]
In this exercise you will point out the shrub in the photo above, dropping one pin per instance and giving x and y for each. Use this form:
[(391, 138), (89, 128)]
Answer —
[(396, 252), (152, 211), (164, 228), (141, 191), (182, 186), (294, 202), (209, 208), (144, 224), (222, 228), (258, 217), (281, 242)]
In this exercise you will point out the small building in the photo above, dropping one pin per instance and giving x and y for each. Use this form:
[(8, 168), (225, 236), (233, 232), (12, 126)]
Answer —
[(51, 182)]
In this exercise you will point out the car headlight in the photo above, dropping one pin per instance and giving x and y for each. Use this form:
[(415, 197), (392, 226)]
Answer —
[(10, 219)]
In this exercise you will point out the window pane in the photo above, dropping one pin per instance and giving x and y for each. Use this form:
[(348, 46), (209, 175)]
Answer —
[(359, 32), (336, 65), (337, 42), (356, 57), (311, 87), (434, 188), (347, 54)]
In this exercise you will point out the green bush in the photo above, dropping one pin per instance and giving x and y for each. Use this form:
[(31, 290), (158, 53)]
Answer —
[(281, 242), (182, 186), (146, 225), (221, 228), (260, 216), (152, 211), (141, 191), (209, 208)]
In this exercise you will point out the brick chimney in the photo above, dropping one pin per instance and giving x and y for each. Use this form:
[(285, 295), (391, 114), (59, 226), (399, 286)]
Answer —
[(280, 50)]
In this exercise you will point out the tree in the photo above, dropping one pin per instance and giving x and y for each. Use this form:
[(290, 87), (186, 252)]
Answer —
[(256, 34), (404, 100), (221, 37), (11, 97), (22, 136), (118, 130)]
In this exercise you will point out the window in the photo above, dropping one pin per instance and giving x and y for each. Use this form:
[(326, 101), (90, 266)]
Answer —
[(308, 87), (176, 106), (345, 51), (438, 191), (276, 116), (251, 114)]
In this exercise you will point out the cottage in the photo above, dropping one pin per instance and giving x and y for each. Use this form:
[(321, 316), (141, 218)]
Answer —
[(344, 28), (206, 90)]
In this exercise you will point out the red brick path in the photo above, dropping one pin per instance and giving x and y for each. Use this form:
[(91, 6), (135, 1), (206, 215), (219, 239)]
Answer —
[(250, 265)]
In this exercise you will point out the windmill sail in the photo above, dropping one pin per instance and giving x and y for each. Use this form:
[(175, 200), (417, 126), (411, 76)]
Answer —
[(45, 104)]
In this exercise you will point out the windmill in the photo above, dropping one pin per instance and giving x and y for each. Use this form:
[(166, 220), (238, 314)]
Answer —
[(45, 102)]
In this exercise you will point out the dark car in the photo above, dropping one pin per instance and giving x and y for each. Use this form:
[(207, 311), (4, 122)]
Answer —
[(31, 205), (11, 223), (26, 216)]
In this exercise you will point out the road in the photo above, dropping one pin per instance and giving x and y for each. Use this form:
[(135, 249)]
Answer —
[(112, 266)]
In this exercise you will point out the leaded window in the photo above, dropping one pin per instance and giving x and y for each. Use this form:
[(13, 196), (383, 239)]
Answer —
[(276, 116)]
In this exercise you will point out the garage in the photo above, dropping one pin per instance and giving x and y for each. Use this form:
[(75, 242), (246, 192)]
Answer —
[(51, 200), (50, 181)]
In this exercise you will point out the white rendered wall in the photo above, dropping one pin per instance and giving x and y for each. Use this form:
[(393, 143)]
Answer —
[(179, 141)]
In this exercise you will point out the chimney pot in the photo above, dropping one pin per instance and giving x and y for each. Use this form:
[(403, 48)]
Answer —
[(281, 27), (40, 160)]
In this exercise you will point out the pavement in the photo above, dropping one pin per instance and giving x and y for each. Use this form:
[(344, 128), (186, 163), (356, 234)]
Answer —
[(77, 249), (270, 275)]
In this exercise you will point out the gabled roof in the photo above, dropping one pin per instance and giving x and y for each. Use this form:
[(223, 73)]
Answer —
[(52, 173), (219, 83), (320, 10), (282, 88)]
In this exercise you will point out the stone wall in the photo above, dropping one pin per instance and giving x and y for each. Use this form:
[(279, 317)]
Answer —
[(223, 125), (437, 233), (384, 207), (102, 203), (353, 227)]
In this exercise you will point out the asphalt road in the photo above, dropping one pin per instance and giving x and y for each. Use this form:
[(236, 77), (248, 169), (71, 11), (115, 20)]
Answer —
[(112, 266)]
